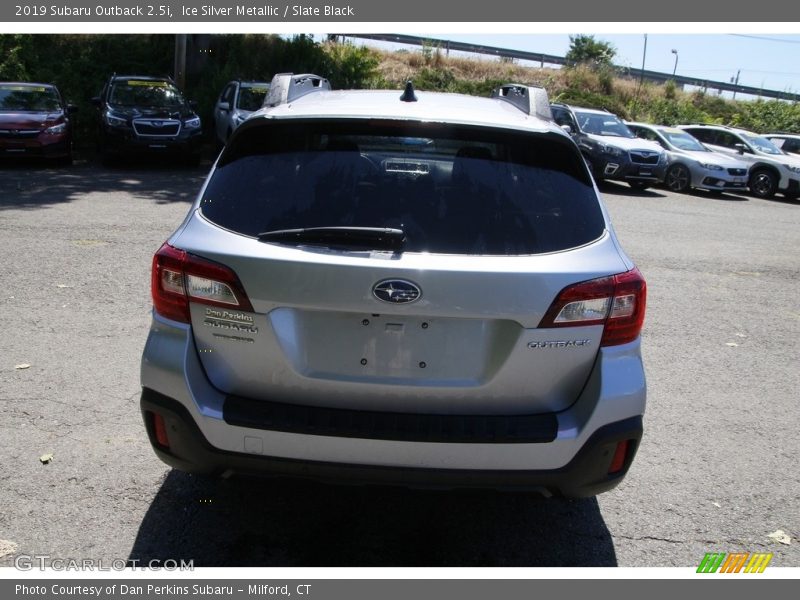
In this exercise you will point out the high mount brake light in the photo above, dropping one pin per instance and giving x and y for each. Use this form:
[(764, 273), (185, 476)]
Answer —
[(179, 278), (617, 301)]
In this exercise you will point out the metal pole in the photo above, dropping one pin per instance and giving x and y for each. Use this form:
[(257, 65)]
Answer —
[(675, 68), (736, 82), (180, 60), (644, 56)]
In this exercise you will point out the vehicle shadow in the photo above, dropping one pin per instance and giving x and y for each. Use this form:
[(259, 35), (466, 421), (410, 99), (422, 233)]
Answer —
[(254, 522), (780, 199), (722, 196), (28, 184), (623, 189)]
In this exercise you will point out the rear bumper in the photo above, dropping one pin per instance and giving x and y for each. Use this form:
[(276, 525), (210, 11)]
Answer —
[(568, 452), (585, 475)]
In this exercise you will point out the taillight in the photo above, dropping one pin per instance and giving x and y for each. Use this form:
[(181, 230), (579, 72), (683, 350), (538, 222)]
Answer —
[(179, 278), (618, 460), (159, 429), (617, 302)]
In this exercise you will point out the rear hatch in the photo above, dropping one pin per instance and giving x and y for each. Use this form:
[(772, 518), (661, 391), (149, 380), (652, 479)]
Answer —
[(396, 267)]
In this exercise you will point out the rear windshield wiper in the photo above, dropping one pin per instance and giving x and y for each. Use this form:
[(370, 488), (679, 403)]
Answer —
[(372, 238)]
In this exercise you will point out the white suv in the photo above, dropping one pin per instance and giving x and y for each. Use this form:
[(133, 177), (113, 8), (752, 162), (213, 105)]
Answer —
[(771, 169), (415, 288)]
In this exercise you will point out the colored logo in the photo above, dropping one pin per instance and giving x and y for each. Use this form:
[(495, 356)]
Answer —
[(738, 562)]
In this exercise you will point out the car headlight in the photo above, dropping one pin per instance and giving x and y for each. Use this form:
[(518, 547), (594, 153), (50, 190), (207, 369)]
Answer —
[(56, 129), (793, 169), (612, 150), (193, 123), (114, 121), (711, 167)]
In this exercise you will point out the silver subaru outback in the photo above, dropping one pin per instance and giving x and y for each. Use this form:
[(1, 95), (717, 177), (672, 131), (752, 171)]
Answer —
[(411, 288)]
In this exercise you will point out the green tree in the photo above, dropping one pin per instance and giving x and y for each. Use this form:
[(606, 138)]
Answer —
[(585, 49)]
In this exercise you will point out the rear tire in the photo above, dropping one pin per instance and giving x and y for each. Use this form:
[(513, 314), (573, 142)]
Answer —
[(762, 184)]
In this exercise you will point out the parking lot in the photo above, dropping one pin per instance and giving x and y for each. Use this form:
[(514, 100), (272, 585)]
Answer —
[(716, 471)]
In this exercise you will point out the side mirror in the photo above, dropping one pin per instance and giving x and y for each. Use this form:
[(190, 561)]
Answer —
[(225, 106), (741, 148), (567, 128), (71, 109)]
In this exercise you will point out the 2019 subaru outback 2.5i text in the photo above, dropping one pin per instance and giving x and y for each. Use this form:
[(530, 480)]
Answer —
[(421, 290)]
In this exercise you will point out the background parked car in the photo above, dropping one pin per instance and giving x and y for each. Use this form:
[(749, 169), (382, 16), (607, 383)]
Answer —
[(771, 170), (146, 115), (692, 165), (237, 101), (609, 147), (35, 121), (788, 142)]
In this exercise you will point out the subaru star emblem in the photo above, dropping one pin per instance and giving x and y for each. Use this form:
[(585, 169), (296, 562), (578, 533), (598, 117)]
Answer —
[(396, 291), (156, 123)]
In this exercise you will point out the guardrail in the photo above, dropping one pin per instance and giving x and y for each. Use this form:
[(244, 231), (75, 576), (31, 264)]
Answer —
[(654, 76)]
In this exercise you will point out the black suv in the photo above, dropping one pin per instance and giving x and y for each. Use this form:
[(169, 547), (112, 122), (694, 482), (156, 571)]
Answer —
[(610, 148), (146, 115)]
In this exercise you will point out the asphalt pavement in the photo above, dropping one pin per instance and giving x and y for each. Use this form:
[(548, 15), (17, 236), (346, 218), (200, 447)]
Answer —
[(716, 472)]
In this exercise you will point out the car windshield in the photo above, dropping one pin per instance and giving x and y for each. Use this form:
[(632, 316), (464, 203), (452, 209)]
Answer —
[(28, 98), (251, 97), (450, 190), (601, 124), (762, 144), (683, 141), (155, 94)]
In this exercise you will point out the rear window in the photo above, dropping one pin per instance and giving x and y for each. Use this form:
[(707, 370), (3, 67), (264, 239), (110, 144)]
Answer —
[(452, 190)]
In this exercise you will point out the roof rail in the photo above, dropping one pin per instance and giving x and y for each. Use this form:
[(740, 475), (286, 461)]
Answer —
[(531, 100), (287, 87)]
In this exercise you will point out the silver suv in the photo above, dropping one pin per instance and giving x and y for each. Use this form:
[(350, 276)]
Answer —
[(412, 288), (771, 169)]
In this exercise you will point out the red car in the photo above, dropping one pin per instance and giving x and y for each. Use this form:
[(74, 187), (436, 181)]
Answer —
[(34, 121)]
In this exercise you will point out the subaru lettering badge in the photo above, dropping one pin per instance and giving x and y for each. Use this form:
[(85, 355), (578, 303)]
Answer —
[(396, 291)]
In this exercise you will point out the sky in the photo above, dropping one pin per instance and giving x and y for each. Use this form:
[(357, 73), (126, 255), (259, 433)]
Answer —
[(765, 54), (762, 59)]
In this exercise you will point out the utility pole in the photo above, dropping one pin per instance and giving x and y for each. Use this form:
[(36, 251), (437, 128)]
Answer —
[(675, 67), (644, 56), (736, 82), (180, 60), (641, 78)]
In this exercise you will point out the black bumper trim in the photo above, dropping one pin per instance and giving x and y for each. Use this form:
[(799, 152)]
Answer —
[(376, 425), (585, 475)]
